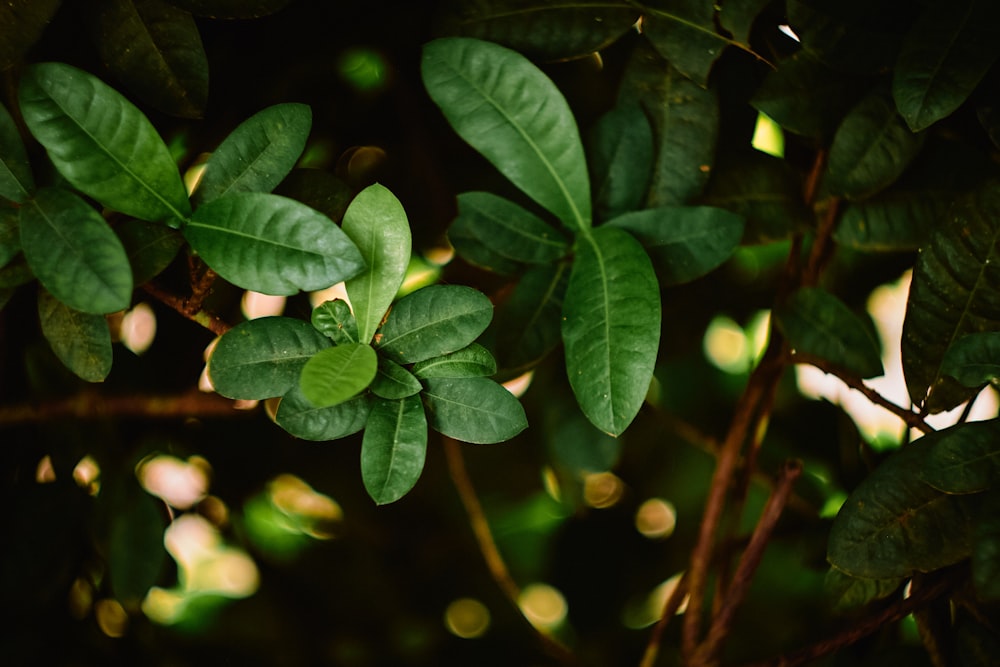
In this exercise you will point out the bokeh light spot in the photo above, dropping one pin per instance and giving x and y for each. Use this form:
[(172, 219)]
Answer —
[(543, 606), (656, 519), (87, 474), (45, 472), (111, 617), (602, 489), (138, 328), (255, 304), (181, 484), (365, 69), (467, 618)]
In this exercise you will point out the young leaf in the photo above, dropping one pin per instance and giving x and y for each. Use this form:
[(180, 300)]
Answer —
[(965, 458), (393, 381), (508, 229), (74, 253), (377, 224), (620, 155), (393, 448), (528, 324), (102, 144), (335, 320), (472, 361), (81, 341), (16, 181), (816, 322), (150, 247), (513, 114), (263, 358), (685, 35), (338, 373), (432, 321), (611, 327), (304, 420), (258, 154), (271, 244), (473, 409)]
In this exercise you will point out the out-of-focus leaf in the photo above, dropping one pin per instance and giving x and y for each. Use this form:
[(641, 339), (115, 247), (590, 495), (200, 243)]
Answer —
[(611, 327), (81, 341), (136, 555), (338, 373), (472, 361), (150, 247), (231, 9), (620, 154), (945, 54), (684, 242), (393, 381), (738, 16), (975, 642), (377, 224), (847, 592), (102, 144), (512, 113), (473, 409), (317, 189), (263, 358), (574, 442), (854, 36), (507, 229), (480, 253), (22, 22), (271, 244), (304, 420), (986, 550), (258, 154), (974, 359), (16, 180), (335, 320), (393, 448), (816, 322), (685, 35), (154, 48), (10, 234), (16, 272), (528, 324), (74, 253), (965, 458), (432, 321)]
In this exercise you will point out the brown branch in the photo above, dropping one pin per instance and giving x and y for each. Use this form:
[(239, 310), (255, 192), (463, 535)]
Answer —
[(92, 405), (670, 607), (189, 308)]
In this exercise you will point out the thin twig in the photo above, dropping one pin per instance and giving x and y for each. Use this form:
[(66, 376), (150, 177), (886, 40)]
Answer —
[(670, 607), (91, 405), (191, 311)]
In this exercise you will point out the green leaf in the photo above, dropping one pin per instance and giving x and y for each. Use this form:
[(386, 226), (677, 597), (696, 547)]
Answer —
[(894, 524), (258, 154), (377, 224), (986, 552), (393, 381), (685, 35), (270, 244), (22, 22), (684, 242), (82, 342), (74, 253), (263, 358), (528, 324), (231, 9), (965, 458), (317, 189), (477, 252), (573, 441), (393, 448), (472, 361), (335, 320), (16, 180), (611, 327), (338, 373), (945, 54), (136, 554), (15, 273), (871, 149), (974, 359), (847, 592), (738, 16), (102, 144), (513, 114), (620, 154), (855, 36), (304, 420), (432, 321), (816, 322), (10, 234), (154, 48), (508, 229), (476, 410), (150, 247)]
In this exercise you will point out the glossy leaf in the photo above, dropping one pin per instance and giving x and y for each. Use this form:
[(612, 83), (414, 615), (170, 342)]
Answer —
[(611, 327), (684, 33), (965, 458), (338, 373), (684, 242), (816, 322), (508, 110), (263, 358), (945, 54), (16, 180), (82, 342), (432, 321), (270, 244), (393, 381), (508, 229), (102, 144), (393, 448), (472, 361), (478, 252), (377, 224), (974, 359), (620, 154), (22, 23), (528, 324), (150, 247), (231, 9), (155, 49), (258, 154), (335, 320), (74, 253), (10, 234), (304, 420), (473, 409)]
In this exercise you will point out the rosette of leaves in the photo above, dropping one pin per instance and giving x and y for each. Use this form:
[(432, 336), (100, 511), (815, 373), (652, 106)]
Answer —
[(390, 368)]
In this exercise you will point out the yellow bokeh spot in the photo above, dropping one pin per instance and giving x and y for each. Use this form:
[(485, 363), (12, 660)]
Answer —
[(725, 345), (602, 489), (467, 618), (768, 137), (543, 606), (656, 519), (111, 617), (87, 474)]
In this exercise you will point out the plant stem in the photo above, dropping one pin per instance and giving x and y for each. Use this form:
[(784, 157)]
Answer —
[(189, 308), (670, 607), (91, 405)]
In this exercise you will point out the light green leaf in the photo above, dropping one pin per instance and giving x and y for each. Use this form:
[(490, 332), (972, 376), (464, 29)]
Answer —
[(611, 327), (338, 373), (393, 448), (271, 244), (974, 359), (22, 22), (150, 247), (102, 144), (74, 253), (528, 324), (82, 342), (393, 381), (304, 420), (377, 224), (258, 154), (965, 458), (432, 321), (620, 155), (16, 180), (685, 35), (508, 229), (10, 234), (335, 320), (472, 361), (476, 409), (263, 358), (513, 114)]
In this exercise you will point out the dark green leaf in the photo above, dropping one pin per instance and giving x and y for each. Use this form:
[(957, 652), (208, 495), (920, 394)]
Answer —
[(574, 442), (317, 189), (513, 114), (10, 234), (150, 247), (102, 144), (738, 16), (946, 53), (685, 35), (507, 229), (432, 321), (528, 324), (684, 242), (304, 420), (476, 410), (480, 253), (258, 154), (15, 273), (620, 154), (394, 448), (377, 224), (847, 592), (986, 550), (154, 48), (263, 358), (611, 327), (338, 373), (271, 244), (16, 180), (965, 458), (82, 342), (335, 320), (136, 555), (472, 361), (74, 253), (22, 22), (855, 36), (231, 9), (394, 382), (974, 359)]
